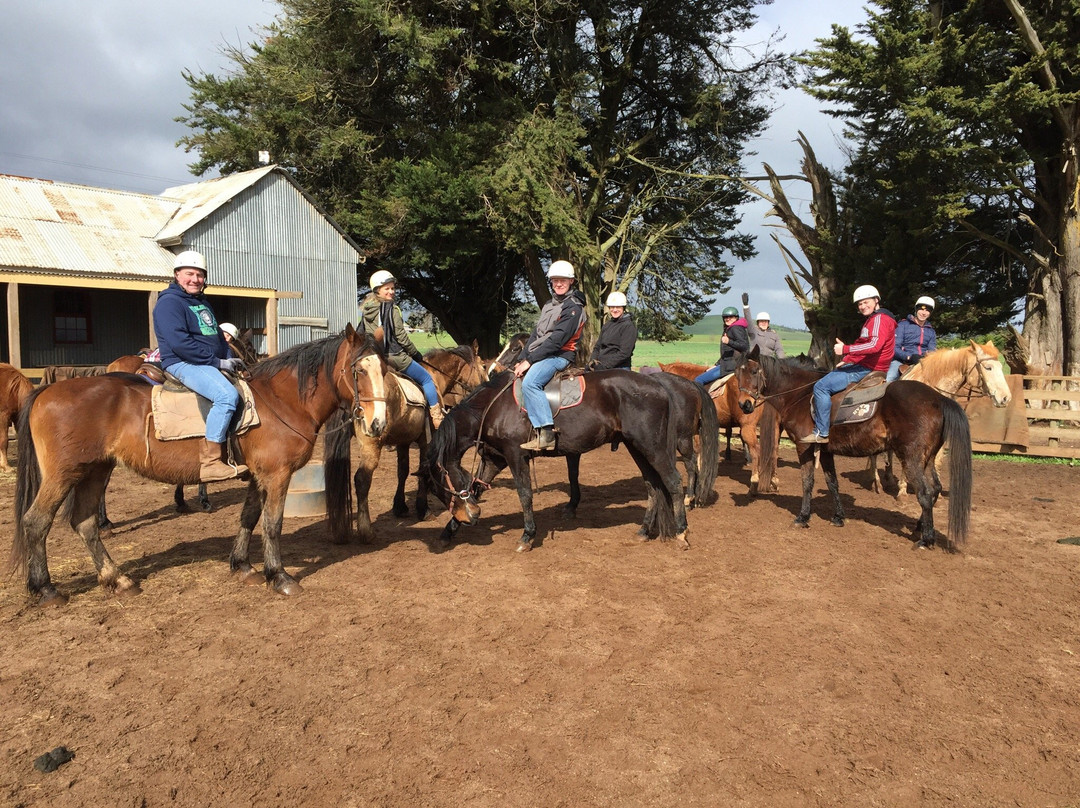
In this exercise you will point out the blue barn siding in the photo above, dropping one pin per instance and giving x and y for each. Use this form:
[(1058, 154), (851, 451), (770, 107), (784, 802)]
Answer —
[(271, 236)]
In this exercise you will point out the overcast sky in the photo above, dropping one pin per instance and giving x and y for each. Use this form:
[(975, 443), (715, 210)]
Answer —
[(90, 90)]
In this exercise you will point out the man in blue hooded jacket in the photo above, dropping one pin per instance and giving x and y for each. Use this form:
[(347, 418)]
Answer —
[(194, 350)]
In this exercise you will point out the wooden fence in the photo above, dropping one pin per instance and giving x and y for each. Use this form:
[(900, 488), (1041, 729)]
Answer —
[(1043, 420)]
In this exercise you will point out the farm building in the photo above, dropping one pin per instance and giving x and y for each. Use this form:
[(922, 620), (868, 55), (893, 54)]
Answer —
[(81, 267)]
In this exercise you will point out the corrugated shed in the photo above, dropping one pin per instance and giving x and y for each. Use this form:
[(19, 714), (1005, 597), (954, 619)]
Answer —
[(73, 229), (270, 236), (200, 199)]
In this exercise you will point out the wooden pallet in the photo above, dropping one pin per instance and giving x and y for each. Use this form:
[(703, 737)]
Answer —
[(1052, 412)]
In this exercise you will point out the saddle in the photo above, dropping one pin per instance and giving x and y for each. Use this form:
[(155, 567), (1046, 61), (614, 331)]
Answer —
[(565, 390), (858, 402), (180, 413), (414, 396), (716, 389)]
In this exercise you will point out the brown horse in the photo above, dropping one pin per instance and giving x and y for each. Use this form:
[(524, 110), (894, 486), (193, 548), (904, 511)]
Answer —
[(14, 388), (911, 419), (734, 408), (391, 419), (72, 434)]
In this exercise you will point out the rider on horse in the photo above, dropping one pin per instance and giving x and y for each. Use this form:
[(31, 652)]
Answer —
[(734, 343), (549, 350), (379, 311), (194, 350), (872, 351), (915, 337), (618, 336)]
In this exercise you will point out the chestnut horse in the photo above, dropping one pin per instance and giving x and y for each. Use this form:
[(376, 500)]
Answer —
[(456, 372), (734, 407), (911, 419), (72, 434), (960, 373), (14, 388), (617, 405)]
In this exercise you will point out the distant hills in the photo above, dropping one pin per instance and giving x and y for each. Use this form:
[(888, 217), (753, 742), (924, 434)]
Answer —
[(713, 325)]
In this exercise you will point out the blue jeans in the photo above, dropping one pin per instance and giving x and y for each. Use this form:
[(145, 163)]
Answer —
[(208, 382), (710, 375), (833, 382), (416, 372), (532, 389), (894, 371)]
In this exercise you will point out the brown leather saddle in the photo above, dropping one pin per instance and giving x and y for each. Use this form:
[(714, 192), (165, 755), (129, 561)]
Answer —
[(180, 413), (565, 390), (858, 402)]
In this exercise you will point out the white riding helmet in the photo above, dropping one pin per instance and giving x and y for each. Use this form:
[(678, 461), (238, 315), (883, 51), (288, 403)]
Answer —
[(189, 259), (616, 299), (561, 269), (763, 315), (229, 329), (925, 301), (865, 292), (380, 278)]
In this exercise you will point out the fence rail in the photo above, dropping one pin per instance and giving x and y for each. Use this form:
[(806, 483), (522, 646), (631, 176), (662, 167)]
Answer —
[(1051, 413)]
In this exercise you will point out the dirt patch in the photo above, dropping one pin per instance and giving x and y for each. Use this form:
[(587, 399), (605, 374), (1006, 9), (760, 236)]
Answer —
[(767, 666)]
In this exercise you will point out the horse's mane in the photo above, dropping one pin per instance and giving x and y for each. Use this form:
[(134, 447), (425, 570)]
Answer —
[(463, 352), (790, 367), (944, 362), (309, 361), (13, 384)]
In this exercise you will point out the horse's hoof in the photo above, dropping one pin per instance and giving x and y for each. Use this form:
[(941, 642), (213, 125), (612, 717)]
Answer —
[(50, 598), (285, 584), (681, 542), (400, 510), (801, 522), (125, 587), (247, 576), (569, 513), (207, 507), (836, 521), (183, 507), (524, 546)]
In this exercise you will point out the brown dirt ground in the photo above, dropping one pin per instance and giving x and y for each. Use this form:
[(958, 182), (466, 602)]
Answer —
[(767, 666)]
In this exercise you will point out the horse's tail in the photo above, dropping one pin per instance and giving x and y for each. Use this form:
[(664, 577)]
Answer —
[(709, 457), (337, 475), (957, 433), (769, 427), (27, 483)]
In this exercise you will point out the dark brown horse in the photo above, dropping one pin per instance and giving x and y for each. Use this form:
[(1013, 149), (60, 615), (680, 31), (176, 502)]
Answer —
[(14, 388), (396, 421), (72, 434), (617, 405), (912, 420), (734, 408)]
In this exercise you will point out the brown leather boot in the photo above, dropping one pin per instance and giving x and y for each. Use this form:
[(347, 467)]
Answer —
[(435, 410), (212, 468), (543, 439)]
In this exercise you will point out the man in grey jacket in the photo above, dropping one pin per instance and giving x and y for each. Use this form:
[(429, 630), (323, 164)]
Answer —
[(767, 340)]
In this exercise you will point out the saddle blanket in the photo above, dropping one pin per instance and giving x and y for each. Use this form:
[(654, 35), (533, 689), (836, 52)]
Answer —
[(716, 389), (411, 390), (180, 415), (562, 392)]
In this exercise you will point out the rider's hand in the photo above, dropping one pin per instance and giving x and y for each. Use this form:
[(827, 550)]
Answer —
[(745, 299), (522, 367), (231, 364), (838, 348)]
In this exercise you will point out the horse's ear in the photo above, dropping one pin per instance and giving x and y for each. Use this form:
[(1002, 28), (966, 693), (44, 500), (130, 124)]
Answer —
[(378, 335), (349, 331), (754, 353), (475, 347)]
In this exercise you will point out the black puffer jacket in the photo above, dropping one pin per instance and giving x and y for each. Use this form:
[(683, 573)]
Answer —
[(615, 346)]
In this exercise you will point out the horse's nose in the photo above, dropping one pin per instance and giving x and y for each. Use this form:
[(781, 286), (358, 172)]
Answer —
[(747, 406)]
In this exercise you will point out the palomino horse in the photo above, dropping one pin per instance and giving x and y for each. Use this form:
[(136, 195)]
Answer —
[(14, 388), (72, 434), (960, 373), (399, 423), (617, 405), (734, 407), (911, 419)]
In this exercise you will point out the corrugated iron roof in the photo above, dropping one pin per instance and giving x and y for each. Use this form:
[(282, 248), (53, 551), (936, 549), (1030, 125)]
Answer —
[(200, 199), (65, 228)]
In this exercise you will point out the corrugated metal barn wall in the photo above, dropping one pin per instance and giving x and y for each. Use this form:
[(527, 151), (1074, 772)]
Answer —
[(271, 236)]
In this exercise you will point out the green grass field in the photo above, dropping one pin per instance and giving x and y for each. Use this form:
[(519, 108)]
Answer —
[(701, 349)]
